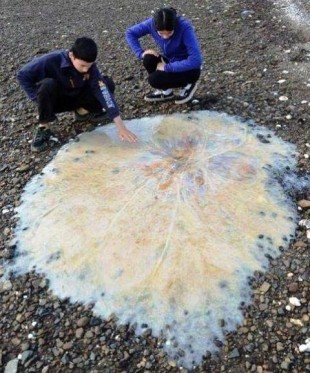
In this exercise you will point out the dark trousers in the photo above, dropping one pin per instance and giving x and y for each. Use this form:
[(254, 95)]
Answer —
[(165, 80), (51, 99)]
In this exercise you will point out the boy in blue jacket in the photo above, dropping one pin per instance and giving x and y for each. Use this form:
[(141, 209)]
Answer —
[(179, 63), (70, 81)]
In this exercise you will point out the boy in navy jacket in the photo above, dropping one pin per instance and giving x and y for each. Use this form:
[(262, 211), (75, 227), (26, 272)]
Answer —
[(179, 63), (70, 81)]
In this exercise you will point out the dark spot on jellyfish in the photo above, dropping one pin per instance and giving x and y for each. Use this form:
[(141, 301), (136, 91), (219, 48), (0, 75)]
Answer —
[(77, 159), (181, 353), (185, 312), (260, 246), (281, 248), (262, 213), (260, 236), (115, 171), (21, 254), (287, 168), (268, 256), (25, 228), (290, 218), (102, 294), (82, 277), (223, 284), (218, 343), (144, 326), (269, 239), (284, 238), (274, 214), (53, 257), (262, 139), (89, 151)]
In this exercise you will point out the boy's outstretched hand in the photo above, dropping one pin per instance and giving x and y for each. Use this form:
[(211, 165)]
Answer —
[(123, 133), (126, 135)]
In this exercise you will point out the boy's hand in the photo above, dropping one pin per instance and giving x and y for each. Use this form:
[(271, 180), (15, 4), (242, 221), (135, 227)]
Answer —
[(126, 135), (123, 133)]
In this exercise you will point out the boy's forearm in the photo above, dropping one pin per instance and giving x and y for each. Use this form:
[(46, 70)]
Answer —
[(119, 122)]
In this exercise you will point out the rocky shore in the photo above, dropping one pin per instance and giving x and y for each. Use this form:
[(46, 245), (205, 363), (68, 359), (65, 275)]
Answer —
[(256, 67)]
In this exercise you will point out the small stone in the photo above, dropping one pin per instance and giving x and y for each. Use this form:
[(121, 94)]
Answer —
[(295, 301), (299, 244), (234, 353), (264, 287), (23, 168), (79, 333), (293, 287), (83, 321), (304, 203), (11, 366), (172, 363), (285, 364), (26, 356), (89, 334), (5, 286), (6, 231), (67, 346), (283, 98), (16, 341)]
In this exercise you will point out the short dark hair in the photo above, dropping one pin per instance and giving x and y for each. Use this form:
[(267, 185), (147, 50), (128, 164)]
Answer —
[(85, 49), (165, 19)]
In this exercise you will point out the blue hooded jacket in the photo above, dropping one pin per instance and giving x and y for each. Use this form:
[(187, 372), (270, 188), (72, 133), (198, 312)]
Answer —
[(181, 49)]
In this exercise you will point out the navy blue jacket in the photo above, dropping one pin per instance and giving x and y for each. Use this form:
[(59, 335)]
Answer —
[(57, 65), (182, 48)]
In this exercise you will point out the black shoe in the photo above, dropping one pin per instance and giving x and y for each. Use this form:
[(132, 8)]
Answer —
[(186, 93), (91, 117), (158, 96), (40, 140)]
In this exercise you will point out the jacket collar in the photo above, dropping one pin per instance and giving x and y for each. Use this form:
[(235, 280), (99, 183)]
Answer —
[(65, 60)]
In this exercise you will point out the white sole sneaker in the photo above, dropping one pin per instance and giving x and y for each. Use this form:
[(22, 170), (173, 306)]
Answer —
[(160, 98), (183, 100)]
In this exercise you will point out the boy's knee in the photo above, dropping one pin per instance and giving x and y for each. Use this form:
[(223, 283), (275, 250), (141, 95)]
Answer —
[(49, 84)]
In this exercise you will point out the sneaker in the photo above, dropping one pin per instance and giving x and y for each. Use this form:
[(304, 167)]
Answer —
[(186, 93), (159, 95), (40, 140), (90, 117)]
